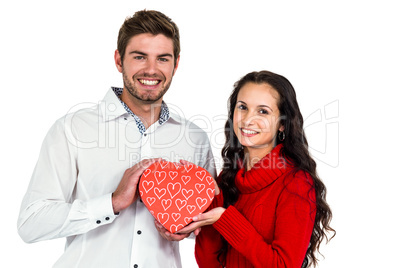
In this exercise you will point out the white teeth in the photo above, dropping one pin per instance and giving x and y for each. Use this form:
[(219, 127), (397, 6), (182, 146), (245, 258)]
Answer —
[(149, 82), (248, 131)]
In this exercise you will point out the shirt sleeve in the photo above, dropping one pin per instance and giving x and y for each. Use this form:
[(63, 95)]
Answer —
[(48, 210), (293, 227), (208, 162)]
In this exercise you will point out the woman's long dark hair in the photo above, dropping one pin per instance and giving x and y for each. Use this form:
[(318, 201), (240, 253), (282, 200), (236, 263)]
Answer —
[(295, 148)]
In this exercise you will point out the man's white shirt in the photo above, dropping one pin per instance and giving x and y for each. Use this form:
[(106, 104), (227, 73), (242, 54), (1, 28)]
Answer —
[(81, 163)]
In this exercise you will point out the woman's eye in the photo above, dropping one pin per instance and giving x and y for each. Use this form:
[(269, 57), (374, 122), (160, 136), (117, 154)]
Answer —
[(242, 107), (263, 111)]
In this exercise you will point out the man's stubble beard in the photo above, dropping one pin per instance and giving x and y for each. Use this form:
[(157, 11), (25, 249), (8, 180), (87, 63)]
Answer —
[(133, 91)]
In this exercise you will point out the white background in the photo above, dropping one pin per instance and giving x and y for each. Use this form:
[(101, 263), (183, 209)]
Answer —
[(343, 58)]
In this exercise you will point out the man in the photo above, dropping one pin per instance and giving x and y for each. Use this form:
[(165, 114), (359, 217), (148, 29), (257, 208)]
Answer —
[(84, 186)]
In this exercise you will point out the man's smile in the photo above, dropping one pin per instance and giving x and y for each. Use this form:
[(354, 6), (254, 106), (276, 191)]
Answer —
[(149, 82)]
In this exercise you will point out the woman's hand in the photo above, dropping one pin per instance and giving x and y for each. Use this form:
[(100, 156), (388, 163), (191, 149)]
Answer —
[(203, 219)]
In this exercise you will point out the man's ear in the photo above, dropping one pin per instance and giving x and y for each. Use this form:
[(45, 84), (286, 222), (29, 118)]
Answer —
[(177, 65), (117, 61)]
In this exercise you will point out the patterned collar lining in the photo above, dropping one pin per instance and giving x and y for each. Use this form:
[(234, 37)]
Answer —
[(164, 116)]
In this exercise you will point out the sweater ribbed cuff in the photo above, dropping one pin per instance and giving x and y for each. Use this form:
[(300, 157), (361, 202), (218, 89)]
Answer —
[(233, 226)]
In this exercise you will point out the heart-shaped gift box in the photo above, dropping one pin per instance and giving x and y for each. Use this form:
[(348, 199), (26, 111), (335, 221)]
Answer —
[(175, 193)]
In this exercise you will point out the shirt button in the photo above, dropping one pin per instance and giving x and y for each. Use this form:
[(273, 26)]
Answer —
[(135, 265), (139, 232), (145, 134), (98, 221), (107, 218)]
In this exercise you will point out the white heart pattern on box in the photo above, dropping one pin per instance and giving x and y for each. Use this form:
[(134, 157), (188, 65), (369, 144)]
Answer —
[(174, 193)]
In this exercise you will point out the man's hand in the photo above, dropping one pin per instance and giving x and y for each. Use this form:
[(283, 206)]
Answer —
[(126, 193), (168, 235)]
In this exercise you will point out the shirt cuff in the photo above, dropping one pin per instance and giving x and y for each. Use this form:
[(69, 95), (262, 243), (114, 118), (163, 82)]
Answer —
[(100, 210)]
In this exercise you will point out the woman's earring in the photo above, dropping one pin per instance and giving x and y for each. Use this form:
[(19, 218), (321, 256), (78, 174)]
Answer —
[(281, 135)]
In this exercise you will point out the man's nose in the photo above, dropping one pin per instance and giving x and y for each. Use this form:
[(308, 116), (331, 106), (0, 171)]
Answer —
[(150, 67)]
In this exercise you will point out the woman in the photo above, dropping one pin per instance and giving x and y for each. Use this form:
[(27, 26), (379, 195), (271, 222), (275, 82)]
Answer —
[(270, 208)]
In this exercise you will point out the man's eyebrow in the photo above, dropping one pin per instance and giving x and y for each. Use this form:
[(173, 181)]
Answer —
[(145, 54), (137, 52), (165, 55)]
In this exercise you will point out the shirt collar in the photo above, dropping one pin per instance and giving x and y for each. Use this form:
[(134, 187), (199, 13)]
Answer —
[(120, 108)]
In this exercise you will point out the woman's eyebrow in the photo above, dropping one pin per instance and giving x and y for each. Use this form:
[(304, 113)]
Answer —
[(266, 106)]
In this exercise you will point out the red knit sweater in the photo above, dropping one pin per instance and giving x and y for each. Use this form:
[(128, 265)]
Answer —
[(271, 223)]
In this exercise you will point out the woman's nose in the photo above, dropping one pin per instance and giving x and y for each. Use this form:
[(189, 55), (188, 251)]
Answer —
[(248, 119)]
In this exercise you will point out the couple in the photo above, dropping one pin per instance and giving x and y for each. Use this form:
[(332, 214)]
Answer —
[(269, 209)]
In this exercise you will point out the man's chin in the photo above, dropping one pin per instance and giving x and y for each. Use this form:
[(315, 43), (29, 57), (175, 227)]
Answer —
[(148, 98)]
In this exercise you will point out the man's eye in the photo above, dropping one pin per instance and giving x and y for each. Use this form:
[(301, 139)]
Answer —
[(139, 57), (163, 59)]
